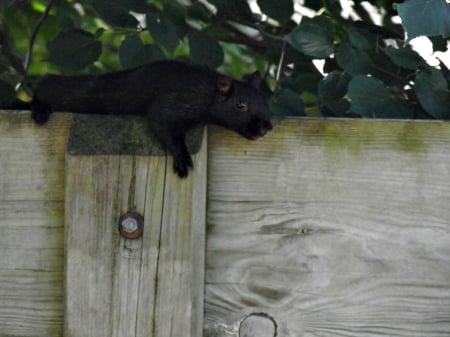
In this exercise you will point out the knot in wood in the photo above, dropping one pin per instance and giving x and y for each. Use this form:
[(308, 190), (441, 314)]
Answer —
[(258, 325)]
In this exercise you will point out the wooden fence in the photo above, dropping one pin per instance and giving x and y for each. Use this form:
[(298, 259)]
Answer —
[(323, 228)]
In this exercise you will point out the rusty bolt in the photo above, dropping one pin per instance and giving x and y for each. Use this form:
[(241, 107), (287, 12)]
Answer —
[(131, 225)]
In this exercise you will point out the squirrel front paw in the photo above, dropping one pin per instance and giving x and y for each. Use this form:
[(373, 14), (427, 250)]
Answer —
[(182, 163), (40, 112)]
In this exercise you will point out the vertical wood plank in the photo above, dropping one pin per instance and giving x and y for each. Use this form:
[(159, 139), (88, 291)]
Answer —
[(121, 287), (179, 296), (103, 270), (135, 270), (91, 239), (32, 224)]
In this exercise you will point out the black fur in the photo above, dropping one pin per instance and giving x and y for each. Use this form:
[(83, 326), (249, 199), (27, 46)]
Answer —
[(175, 96)]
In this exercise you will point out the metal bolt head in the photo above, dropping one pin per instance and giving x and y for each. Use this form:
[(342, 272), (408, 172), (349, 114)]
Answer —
[(131, 225)]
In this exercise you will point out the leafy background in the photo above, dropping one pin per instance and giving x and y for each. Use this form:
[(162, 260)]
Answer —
[(369, 68)]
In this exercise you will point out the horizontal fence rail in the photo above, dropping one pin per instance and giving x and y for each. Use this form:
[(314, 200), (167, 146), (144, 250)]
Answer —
[(322, 228)]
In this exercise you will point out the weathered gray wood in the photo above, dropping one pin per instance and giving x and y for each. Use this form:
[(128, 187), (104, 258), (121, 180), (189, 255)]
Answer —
[(152, 285), (137, 260), (180, 283), (31, 224), (257, 325), (330, 227), (333, 228)]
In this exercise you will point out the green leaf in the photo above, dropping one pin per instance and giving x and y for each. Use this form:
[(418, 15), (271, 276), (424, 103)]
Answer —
[(205, 50), (333, 87), (352, 60), (370, 98), (303, 82), (434, 78), (8, 58), (115, 12), (425, 17), (359, 39), (313, 37), (74, 50), (163, 31), (313, 112), (331, 91), (433, 94), (176, 13), (134, 53), (280, 10), (385, 69), (198, 11), (404, 57), (445, 73), (397, 109), (287, 103), (367, 95), (337, 108)]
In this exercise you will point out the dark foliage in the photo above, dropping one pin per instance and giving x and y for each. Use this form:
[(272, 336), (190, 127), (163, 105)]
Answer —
[(370, 70)]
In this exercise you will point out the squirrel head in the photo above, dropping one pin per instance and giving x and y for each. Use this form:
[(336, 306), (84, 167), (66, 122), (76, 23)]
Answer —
[(241, 107)]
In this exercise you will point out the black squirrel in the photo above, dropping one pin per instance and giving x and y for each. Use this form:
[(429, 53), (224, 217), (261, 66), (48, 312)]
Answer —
[(175, 96)]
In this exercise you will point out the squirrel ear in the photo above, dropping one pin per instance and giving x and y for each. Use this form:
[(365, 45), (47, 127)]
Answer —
[(224, 85), (254, 79)]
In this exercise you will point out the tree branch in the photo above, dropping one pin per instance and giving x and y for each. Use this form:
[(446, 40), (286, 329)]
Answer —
[(39, 24)]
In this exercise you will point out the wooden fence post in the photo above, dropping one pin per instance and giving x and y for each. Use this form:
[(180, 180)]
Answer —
[(150, 286), (31, 224)]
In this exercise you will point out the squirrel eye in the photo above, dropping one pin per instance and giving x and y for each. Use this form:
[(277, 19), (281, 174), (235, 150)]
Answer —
[(241, 105)]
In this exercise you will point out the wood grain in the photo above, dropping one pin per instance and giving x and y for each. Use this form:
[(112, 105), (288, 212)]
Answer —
[(103, 269), (149, 286), (333, 228), (31, 224), (181, 266)]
